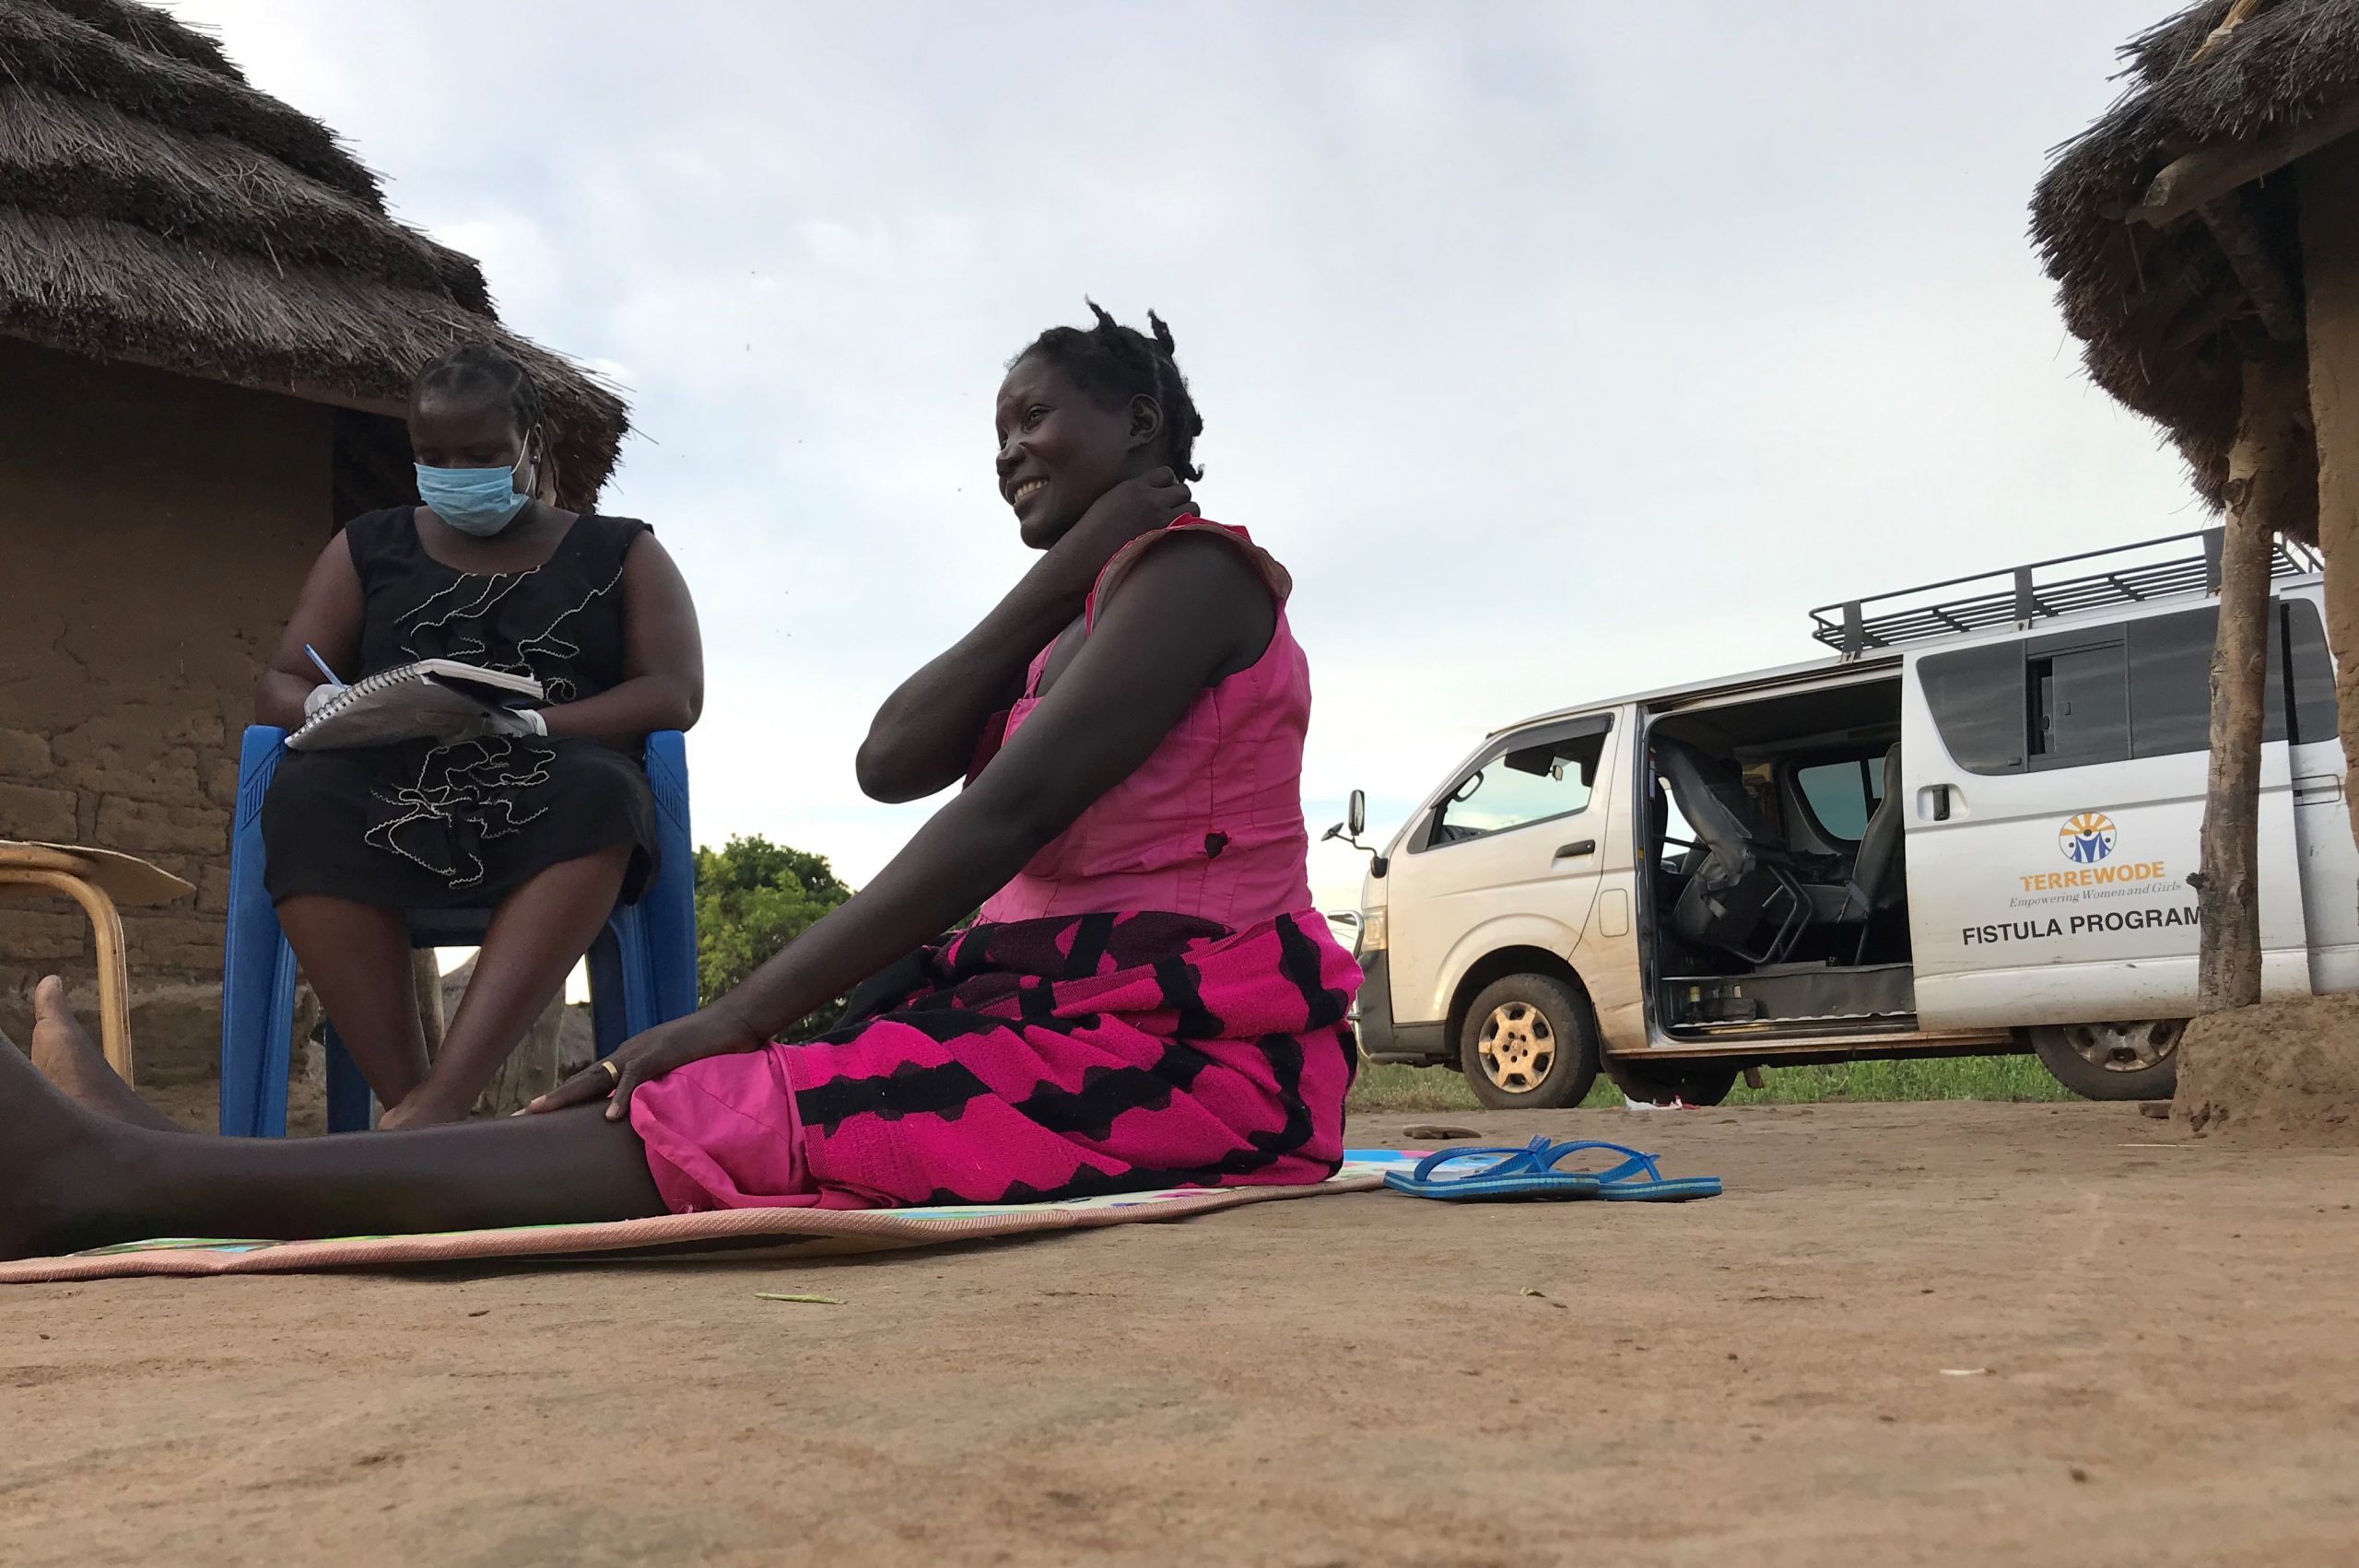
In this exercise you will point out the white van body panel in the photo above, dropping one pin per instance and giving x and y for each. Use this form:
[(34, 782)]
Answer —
[(2009, 928), (2329, 866), (2060, 896), (1452, 905)]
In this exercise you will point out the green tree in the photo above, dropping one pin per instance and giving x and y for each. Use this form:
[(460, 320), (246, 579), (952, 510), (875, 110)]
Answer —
[(753, 898)]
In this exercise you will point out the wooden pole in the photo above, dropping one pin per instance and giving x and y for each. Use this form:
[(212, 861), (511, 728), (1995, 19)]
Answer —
[(426, 980), (2209, 172), (533, 1069), (2262, 467), (2329, 197), (2238, 14)]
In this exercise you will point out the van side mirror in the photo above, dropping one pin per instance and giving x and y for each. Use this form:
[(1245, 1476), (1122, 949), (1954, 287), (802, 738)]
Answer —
[(1350, 829)]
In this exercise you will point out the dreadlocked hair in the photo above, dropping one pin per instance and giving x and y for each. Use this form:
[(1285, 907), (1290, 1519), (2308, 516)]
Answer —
[(485, 370), (1118, 363)]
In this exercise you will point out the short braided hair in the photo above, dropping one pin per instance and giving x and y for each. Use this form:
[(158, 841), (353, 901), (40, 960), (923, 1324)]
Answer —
[(487, 371), (1118, 363)]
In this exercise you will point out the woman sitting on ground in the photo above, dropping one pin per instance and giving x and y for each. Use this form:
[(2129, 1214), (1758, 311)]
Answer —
[(1147, 1000), (546, 820)]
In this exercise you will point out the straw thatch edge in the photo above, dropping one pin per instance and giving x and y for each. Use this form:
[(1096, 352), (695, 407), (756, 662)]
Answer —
[(2165, 321), (109, 290), (156, 208)]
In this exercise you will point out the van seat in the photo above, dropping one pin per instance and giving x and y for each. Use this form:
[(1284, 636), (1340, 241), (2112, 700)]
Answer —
[(1744, 886), (1876, 882)]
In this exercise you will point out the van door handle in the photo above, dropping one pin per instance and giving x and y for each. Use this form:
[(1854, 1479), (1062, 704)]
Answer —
[(1933, 802), (1576, 848), (2318, 789)]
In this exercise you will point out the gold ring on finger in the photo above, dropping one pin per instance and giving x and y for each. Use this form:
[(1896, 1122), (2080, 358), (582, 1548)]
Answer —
[(613, 1074)]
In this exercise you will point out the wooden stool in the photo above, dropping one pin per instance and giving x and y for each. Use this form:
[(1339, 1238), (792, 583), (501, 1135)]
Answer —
[(94, 878)]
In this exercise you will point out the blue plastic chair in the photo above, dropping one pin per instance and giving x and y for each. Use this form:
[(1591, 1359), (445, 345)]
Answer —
[(643, 968)]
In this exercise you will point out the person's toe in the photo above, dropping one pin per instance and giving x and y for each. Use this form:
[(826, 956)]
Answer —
[(57, 1037), (50, 1006)]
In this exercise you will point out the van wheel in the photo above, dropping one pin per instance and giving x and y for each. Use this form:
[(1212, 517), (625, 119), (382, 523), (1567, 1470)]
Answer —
[(2113, 1061), (1660, 1083), (1528, 1044)]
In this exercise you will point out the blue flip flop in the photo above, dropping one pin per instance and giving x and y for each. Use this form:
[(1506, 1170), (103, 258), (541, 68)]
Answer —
[(1638, 1180), (1513, 1172), (1531, 1172)]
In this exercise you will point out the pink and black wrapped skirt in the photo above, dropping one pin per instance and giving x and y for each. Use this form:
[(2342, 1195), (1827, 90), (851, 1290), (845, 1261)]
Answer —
[(1036, 1059)]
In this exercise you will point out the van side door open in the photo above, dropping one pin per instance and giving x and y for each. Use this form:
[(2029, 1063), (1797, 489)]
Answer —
[(2054, 790)]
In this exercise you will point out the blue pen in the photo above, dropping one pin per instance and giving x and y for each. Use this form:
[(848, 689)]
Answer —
[(323, 663)]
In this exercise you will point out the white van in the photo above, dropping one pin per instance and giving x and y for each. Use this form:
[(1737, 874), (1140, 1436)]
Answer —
[(1968, 832)]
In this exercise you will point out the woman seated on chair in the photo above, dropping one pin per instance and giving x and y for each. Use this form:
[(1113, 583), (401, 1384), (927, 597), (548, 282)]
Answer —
[(544, 824), (1147, 998)]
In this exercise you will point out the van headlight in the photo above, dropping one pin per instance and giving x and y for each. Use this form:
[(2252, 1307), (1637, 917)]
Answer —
[(1371, 938)]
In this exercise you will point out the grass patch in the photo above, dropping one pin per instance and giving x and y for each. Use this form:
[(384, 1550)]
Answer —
[(1392, 1086), (1396, 1086), (1944, 1078)]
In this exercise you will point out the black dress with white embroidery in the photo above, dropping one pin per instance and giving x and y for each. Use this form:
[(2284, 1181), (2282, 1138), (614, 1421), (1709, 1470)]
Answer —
[(425, 827)]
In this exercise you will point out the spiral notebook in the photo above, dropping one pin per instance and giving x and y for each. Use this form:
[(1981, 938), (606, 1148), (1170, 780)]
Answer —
[(410, 702)]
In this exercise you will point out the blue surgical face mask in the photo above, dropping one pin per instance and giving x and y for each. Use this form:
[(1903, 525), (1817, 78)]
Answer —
[(480, 501)]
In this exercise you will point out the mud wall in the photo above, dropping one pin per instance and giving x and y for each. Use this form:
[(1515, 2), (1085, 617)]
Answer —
[(154, 530)]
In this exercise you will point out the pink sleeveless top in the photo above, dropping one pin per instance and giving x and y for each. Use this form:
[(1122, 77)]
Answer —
[(1211, 824)]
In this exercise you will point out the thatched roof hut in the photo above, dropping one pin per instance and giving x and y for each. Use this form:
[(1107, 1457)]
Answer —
[(154, 207), (2174, 252), (2205, 235), (208, 326)]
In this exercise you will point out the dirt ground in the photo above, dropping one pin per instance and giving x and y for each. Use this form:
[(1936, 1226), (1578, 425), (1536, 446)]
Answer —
[(1947, 1333), (2282, 1075)]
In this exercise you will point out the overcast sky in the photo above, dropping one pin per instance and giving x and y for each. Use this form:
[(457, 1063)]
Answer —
[(1560, 350)]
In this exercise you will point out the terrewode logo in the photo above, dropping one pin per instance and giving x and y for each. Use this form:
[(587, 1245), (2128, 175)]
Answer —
[(2086, 838)]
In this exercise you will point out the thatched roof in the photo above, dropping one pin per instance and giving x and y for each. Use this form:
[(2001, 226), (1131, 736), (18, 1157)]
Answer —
[(2170, 310), (154, 207)]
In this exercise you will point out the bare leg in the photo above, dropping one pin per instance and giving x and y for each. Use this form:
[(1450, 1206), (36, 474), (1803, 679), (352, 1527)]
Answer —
[(356, 958), (72, 1060), (71, 1179), (536, 936)]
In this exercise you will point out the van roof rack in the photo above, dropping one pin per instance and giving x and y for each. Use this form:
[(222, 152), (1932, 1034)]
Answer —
[(2164, 568)]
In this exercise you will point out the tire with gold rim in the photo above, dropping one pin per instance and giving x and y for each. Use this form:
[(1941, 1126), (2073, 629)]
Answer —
[(1529, 1043)]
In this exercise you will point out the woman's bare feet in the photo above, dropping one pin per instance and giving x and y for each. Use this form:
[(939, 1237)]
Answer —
[(407, 1114), (47, 1145), (421, 1110), (72, 1061)]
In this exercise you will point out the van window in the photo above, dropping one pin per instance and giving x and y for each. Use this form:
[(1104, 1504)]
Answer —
[(2170, 696), (2136, 689), (2172, 705), (2080, 703), (1977, 698), (1531, 783), (1842, 794), (2309, 673)]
